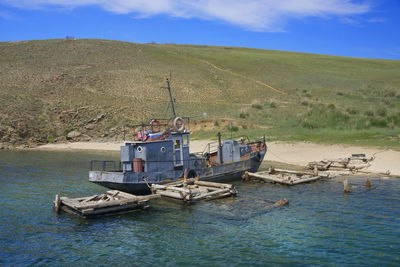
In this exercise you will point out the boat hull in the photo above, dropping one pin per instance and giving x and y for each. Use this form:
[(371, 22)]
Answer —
[(139, 182)]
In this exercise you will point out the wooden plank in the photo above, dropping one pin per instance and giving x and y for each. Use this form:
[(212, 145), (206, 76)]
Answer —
[(216, 192), (172, 188), (295, 172), (228, 194), (268, 178), (306, 180), (164, 193), (212, 184)]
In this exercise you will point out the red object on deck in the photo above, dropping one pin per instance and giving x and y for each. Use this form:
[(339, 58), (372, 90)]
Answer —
[(138, 165), (141, 136)]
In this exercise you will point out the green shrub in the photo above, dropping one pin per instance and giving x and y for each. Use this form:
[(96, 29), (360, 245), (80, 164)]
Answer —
[(244, 126), (272, 105), (234, 128), (318, 116), (257, 106), (216, 123), (363, 124), (352, 111), (304, 103), (382, 112), (243, 115), (394, 119), (376, 122), (331, 106), (369, 113)]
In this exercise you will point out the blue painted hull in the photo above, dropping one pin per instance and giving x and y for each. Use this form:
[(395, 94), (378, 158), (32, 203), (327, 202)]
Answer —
[(137, 182)]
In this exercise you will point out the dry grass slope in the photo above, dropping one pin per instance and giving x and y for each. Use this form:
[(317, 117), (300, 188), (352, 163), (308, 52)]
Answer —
[(51, 87)]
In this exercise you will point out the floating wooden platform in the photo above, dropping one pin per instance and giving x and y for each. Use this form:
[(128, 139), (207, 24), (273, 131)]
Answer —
[(286, 177), (193, 190), (111, 202), (342, 166)]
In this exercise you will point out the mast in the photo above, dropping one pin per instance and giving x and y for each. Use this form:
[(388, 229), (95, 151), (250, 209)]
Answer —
[(170, 96)]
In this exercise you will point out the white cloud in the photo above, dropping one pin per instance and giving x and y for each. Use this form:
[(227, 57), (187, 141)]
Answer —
[(6, 15), (258, 15)]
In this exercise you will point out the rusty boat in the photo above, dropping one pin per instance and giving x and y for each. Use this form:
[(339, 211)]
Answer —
[(159, 153)]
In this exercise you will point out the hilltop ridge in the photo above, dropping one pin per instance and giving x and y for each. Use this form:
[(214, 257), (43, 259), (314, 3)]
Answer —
[(54, 90)]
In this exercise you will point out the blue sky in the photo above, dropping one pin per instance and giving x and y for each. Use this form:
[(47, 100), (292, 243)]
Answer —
[(354, 28)]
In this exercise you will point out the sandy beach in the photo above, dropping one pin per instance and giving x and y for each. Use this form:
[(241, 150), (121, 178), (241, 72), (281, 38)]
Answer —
[(386, 160)]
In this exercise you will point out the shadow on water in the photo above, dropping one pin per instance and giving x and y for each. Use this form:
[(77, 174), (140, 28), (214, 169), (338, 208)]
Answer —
[(321, 225)]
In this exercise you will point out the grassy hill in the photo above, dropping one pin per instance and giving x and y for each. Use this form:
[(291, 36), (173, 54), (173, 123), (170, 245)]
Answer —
[(49, 88)]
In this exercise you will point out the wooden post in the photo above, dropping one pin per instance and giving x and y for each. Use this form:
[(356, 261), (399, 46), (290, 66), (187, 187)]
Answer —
[(57, 203), (185, 175), (346, 186), (315, 171), (220, 148), (368, 183), (246, 176)]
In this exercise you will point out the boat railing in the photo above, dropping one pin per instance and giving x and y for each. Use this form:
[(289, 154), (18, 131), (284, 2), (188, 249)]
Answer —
[(155, 125), (212, 147), (106, 165)]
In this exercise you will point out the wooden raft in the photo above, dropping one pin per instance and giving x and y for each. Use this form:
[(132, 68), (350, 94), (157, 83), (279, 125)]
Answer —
[(342, 166), (286, 177), (111, 202), (194, 190)]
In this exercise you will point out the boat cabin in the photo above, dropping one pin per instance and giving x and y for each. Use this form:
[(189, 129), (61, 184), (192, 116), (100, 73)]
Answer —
[(172, 153)]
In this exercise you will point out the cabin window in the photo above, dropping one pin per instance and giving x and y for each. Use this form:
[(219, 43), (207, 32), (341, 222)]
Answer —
[(139, 149), (177, 144), (186, 140), (162, 149)]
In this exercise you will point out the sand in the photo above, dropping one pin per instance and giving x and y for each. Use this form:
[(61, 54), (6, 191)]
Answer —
[(293, 153)]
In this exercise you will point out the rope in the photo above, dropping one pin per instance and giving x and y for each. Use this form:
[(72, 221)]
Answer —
[(145, 180), (294, 163), (373, 155)]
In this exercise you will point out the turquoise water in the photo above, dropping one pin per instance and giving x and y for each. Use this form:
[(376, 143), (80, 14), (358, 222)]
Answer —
[(320, 226)]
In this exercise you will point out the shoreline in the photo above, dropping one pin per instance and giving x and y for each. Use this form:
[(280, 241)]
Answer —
[(299, 153)]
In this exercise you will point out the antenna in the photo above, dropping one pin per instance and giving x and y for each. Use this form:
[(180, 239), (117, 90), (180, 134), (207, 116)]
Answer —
[(170, 97)]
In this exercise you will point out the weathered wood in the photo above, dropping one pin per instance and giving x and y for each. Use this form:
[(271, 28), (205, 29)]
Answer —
[(57, 203), (246, 176), (368, 183), (91, 198), (212, 184), (346, 187), (268, 178), (110, 202), (294, 172), (228, 194), (306, 180), (112, 209), (285, 180), (173, 188), (164, 193), (280, 202), (213, 193)]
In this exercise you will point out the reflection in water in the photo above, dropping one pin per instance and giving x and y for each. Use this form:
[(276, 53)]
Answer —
[(321, 225)]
